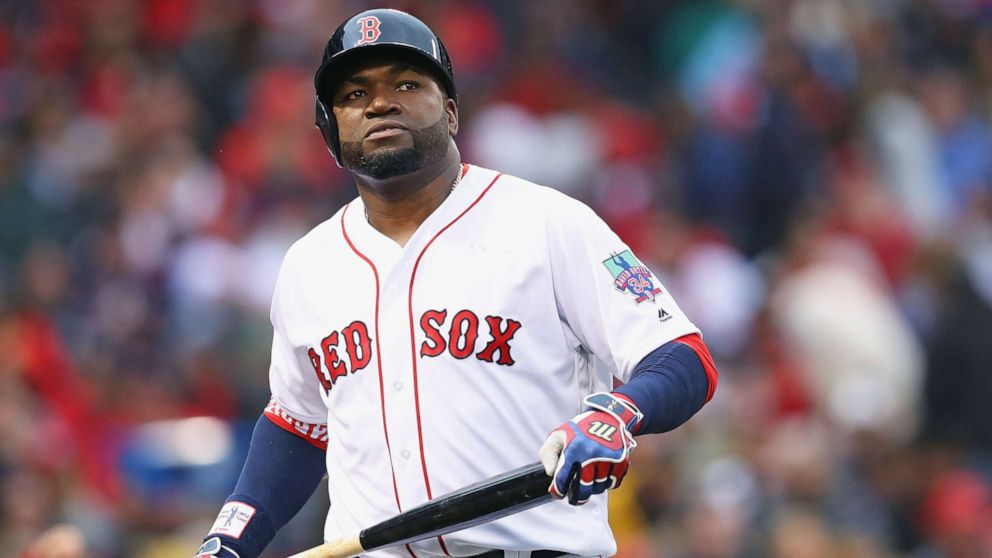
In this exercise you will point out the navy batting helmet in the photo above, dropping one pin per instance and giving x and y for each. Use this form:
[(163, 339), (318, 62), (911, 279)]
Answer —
[(382, 33)]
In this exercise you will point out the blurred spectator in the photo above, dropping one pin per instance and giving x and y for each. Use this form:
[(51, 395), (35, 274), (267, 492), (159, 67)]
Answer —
[(862, 364), (959, 385), (60, 541), (956, 514)]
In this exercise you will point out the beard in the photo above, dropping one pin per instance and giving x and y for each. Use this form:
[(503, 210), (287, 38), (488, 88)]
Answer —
[(430, 145)]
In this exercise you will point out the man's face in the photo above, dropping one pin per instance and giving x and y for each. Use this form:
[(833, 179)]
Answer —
[(393, 119)]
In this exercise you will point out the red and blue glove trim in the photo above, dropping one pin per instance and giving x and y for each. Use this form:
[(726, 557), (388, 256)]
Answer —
[(596, 446)]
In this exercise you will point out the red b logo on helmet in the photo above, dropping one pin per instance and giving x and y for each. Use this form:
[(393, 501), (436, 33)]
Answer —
[(369, 28)]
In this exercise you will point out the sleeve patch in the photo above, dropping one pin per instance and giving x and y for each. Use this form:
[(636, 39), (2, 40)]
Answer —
[(631, 276), (233, 519), (315, 434)]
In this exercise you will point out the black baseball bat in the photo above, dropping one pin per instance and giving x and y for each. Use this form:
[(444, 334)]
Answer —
[(486, 500)]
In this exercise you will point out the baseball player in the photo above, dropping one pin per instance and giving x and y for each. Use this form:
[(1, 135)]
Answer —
[(443, 326)]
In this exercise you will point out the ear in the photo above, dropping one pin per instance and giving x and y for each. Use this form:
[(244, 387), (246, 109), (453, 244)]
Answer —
[(451, 109)]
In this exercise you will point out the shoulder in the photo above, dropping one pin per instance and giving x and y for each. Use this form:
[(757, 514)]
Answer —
[(530, 196), (322, 239)]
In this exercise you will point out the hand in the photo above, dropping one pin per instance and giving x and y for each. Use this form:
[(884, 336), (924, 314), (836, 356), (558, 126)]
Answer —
[(594, 446), (214, 547)]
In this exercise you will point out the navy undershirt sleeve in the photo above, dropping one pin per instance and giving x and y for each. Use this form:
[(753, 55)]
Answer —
[(280, 473), (668, 386)]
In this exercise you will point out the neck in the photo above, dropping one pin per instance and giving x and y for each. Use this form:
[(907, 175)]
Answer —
[(397, 206)]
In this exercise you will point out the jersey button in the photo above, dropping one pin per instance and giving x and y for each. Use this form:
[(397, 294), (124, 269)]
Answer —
[(398, 386), (405, 454)]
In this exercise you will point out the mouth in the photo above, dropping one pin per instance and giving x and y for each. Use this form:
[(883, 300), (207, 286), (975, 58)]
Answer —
[(385, 129)]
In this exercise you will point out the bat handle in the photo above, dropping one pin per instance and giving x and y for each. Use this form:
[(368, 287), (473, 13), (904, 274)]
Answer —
[(339, 548)]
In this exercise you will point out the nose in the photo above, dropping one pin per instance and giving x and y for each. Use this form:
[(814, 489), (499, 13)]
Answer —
[(383, 101)]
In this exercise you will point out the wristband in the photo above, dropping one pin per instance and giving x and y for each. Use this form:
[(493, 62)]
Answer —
[(623, 409)]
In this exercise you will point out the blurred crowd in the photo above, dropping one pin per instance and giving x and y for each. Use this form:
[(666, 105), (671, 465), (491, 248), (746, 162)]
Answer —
[(812, 179)]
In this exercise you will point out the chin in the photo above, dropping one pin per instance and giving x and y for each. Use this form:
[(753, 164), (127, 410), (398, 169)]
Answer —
[(387, 162)]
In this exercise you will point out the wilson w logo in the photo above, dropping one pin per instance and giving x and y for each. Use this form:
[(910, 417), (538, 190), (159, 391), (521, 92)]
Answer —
[(602, 430)]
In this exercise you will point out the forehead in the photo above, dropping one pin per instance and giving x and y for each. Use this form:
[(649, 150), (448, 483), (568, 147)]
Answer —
[(384, 70), (377, 67)]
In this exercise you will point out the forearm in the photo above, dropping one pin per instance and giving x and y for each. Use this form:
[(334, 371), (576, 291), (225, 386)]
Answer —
[(666, 388), (671, 384), (280, 473)]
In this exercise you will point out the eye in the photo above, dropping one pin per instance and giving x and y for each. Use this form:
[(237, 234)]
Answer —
[(352, 95), (408, 86)]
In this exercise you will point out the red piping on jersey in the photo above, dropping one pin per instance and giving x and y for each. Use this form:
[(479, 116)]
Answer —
[(378, 362), (413, 336), (695, 342)]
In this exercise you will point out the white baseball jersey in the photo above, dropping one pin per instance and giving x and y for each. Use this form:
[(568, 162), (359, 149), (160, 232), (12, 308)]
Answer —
[(431, 366)]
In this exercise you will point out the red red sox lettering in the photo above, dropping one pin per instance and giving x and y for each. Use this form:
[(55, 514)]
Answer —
[(458, 339)]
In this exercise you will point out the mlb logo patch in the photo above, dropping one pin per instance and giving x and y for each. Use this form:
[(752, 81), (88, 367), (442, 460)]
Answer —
[(630, 275)]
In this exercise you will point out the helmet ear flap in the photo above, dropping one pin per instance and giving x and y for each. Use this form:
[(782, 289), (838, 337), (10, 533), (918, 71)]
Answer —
[(325, 122)]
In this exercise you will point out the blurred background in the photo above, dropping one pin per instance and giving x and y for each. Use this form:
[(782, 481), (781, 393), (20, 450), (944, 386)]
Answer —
[(812, 179)]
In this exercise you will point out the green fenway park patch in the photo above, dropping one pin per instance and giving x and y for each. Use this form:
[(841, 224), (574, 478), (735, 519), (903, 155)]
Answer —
[(630, 275)]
